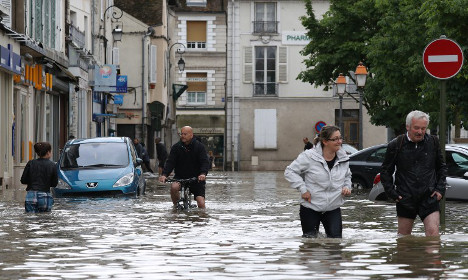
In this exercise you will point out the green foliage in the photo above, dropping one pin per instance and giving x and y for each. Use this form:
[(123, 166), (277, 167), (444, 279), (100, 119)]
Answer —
[(389, 36)]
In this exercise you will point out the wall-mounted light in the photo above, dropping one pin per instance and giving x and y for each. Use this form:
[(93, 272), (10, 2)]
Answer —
[(181, 64), (117, 33)]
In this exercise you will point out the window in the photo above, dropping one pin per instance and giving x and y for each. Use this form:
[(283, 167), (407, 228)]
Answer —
[(265, 71), (265, 18), (196, 34), (196, 3), (153, 64), (196, 91), (6, 17), (265, 133), (457, 164), (20, 125), (115, 56)]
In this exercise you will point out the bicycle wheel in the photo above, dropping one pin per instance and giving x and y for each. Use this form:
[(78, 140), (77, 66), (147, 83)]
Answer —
[(187, 198)]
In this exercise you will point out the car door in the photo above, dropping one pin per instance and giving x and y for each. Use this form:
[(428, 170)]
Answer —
[(457, 175), (373, 164)]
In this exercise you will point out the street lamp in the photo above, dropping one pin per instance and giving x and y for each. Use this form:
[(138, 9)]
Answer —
[(180, 65), (177, 89), (361, 77), (116, 33), (341, 90)]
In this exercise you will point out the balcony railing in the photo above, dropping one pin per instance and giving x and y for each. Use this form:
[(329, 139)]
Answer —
[(265, 89), (77, 36), (265, 26)]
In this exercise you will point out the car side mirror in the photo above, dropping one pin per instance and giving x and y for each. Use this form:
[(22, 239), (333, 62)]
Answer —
[(465, 175), (139, 161)]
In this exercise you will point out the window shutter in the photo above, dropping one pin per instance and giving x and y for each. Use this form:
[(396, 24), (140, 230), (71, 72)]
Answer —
[(283, 64), (38, 21), (265, 129), (115, 56), (52, 24), (47, 23), (248, 64), (7, 18), (153, 63)]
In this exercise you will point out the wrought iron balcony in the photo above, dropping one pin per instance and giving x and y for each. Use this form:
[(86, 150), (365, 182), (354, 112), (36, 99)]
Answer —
[(265, 89), (77, 36), (265, 27)]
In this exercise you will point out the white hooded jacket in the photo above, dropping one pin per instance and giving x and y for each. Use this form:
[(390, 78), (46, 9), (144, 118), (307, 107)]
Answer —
[(310, 172)]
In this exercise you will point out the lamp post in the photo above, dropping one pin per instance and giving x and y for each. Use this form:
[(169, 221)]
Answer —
[(116, 33), (361, 76), (181, 88), (340, 90)]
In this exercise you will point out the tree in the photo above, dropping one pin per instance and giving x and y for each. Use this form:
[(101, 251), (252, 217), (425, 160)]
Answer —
[(389, 36)]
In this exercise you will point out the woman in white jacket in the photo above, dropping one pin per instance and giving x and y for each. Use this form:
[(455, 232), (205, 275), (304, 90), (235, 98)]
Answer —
[(323, 177)]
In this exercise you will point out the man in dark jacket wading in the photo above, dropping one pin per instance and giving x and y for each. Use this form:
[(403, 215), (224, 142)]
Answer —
[(419, 178), (188, 158)]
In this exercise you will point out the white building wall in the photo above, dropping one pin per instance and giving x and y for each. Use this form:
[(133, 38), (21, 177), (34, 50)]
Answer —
[(298, 105)]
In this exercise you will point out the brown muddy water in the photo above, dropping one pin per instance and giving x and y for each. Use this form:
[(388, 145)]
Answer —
[(250, 230)]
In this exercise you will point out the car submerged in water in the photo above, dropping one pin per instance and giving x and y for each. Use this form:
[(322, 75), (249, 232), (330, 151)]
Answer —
[(99, 166)]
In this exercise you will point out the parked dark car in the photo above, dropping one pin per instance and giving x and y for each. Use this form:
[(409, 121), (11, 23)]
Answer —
[(457, 175), (365, 164)]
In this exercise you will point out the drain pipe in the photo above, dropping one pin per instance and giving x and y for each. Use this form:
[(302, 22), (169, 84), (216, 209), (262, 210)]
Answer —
[(232, 86), (149, 32)]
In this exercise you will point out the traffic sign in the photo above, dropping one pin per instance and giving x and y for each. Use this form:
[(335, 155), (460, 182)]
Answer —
[(443, 58), (319, 125)]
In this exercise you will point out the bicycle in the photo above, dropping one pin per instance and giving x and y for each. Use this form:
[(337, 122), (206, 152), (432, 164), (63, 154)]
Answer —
[(184, 202)]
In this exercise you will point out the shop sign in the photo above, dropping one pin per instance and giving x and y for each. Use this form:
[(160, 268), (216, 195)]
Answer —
[(295, 38), (208, 130), (10, 60)]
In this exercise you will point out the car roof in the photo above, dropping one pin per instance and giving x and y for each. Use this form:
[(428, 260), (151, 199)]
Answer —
[(99, 140), (368, 150), (463, 148)]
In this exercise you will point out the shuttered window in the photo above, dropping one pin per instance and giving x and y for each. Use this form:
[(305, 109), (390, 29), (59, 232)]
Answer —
[(153, 63), (115, 56), (52, 23), (196, 91), (6, 18), (38, 21), (248, 64), (283, 65), (265, 129), (196, 34)]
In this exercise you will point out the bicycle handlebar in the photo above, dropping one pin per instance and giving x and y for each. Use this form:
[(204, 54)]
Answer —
[(182, 181)]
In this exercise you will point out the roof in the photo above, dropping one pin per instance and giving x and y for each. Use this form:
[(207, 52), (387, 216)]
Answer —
[(148, 11), (99, 140), (211, 6)]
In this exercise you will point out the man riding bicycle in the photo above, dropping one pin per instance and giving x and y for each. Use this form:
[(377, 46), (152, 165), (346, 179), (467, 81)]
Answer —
[(188, 158)]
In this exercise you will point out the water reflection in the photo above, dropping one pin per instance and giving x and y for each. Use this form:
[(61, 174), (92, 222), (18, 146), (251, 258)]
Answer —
[(250, 230)]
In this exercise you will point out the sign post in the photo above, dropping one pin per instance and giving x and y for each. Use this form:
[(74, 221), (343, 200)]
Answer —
[(443, 59)]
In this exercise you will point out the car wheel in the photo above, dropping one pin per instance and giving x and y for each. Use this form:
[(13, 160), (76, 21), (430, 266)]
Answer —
[(358, 184)]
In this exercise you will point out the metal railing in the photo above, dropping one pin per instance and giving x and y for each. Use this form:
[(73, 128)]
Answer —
[(77, 36), (265, 89), (265, 26)]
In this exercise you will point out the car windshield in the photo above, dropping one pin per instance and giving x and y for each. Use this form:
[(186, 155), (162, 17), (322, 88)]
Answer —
[(95, 155)]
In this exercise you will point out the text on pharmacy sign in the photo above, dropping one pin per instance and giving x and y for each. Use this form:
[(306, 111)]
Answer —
[(295, 38)]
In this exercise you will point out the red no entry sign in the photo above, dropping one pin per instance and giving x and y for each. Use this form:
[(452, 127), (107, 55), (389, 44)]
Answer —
[(443, 58)]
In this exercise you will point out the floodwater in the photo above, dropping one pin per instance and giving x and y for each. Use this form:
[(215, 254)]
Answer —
[(250, 230)]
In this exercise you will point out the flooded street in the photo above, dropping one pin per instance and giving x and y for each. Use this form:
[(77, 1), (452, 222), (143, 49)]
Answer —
[(250, 230)]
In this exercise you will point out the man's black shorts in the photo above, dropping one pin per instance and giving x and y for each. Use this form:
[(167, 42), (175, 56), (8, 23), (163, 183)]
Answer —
[(410, 209), (197, 189)]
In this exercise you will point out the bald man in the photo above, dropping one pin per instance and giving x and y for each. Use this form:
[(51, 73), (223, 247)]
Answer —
[(188, 158)]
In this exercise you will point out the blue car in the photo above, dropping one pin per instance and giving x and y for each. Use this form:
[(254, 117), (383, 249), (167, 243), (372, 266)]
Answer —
[(99, 166)]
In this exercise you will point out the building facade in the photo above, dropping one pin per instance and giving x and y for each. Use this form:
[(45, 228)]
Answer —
[(199, 38), (268, 110), (35, 86)]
